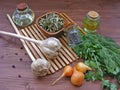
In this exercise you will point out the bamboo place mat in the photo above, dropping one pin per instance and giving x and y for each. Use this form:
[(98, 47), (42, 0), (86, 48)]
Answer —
[(66, 54)]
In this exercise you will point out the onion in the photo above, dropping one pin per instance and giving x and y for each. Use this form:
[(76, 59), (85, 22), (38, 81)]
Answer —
[(68, 71), (81, 67), (77, 78)]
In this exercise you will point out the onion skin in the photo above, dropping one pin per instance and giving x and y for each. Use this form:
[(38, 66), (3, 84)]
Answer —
[(77, 78), (81, 67), (68, 71)]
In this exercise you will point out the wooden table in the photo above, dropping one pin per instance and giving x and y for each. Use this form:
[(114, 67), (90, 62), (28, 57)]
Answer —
[(15, 72)]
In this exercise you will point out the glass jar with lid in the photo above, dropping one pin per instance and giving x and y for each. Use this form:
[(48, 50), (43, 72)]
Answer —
[(91, 21), (23, 15), (73, 36)]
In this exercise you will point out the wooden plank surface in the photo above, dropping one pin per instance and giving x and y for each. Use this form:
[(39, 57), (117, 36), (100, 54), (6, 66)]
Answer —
[(66, 54), (15, 72)]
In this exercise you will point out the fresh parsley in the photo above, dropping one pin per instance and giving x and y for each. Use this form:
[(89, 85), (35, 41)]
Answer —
[(102, 54)]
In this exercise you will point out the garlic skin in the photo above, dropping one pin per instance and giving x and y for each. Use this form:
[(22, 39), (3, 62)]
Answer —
[(40, 67), (54, 43), (51, 47), (50, 53)]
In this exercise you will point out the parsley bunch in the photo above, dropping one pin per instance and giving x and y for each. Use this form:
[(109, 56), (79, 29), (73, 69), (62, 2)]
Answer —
[(100, 53)]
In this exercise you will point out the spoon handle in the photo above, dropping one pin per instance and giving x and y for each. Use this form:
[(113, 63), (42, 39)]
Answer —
[(23, 42), (20, 36)]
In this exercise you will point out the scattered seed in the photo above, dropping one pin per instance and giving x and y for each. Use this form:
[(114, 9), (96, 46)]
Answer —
[(21, 59), (21, 48), (13, 66), (25, 53), (19, 76), (16, 53)]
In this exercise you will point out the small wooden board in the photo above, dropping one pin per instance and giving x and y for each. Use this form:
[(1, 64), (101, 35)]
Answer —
[(66, 54)]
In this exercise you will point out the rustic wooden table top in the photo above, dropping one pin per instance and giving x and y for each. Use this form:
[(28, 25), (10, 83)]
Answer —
[(15, 72)]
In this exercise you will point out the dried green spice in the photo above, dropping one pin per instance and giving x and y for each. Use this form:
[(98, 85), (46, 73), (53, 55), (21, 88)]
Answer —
[(52, 22)]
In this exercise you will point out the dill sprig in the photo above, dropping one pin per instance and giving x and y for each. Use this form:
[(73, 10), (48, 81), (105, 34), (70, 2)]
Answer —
[(100, 53)]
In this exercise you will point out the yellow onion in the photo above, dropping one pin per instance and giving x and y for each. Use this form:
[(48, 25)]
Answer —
[(68, 71), (81, 67), (77, 78)]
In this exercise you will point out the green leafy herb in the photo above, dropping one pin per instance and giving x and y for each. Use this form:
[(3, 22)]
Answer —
[(118, 77), (100, 53), (107, 85)]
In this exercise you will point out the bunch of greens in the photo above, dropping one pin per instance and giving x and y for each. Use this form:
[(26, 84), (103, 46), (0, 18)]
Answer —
[(52, 22), (106, 84), (100, 53)]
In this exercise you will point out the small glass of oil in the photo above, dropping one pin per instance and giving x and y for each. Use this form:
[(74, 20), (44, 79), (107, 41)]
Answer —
[(91, 21)]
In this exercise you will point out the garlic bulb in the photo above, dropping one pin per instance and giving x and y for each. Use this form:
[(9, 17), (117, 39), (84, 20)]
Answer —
[(54, 44), (40, 67), (50, 53), (51, 46)]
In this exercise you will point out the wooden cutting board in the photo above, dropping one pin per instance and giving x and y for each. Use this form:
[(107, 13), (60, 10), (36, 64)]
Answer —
[(66, 54)]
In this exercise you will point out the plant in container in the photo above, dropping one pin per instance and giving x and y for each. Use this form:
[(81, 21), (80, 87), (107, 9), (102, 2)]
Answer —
[(52, 23)]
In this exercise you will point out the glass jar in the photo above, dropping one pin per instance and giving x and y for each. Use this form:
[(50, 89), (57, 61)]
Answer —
[(23, 15), (91, 21), (73, 36)]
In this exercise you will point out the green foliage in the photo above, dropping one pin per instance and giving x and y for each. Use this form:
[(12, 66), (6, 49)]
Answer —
[(100, 53), (107, 85), (52, 22), (118, 77)]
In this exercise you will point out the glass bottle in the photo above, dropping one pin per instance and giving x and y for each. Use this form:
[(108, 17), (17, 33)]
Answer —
[(91, 21), (73, 36), (23, 15)]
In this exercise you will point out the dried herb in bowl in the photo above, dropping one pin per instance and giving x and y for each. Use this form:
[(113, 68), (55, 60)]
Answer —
[(52, 22)]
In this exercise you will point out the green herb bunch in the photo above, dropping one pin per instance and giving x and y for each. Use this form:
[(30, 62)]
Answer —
[(107, 85), (52, 22), (100, 53)]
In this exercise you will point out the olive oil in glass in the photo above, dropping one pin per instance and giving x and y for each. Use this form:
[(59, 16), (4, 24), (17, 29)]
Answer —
[(91, 21)]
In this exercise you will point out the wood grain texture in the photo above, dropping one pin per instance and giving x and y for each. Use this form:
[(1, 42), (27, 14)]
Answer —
[(13, 54), (66, 54)]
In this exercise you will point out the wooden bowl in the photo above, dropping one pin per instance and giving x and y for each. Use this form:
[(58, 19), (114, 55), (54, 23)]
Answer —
[(52, 34)]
